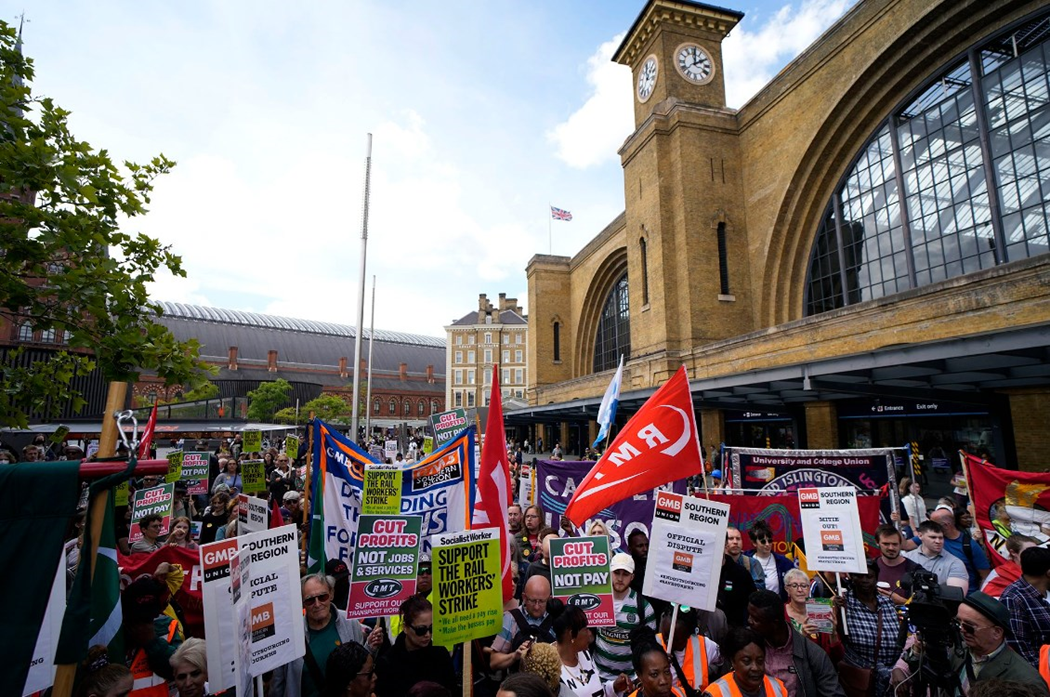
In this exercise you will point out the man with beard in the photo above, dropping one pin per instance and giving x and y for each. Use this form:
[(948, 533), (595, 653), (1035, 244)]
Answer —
[(892, 564)]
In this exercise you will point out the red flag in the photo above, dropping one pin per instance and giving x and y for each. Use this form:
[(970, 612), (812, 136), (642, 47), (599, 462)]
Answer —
[(147, 434), (490, 506), (1007, 502), (658, 445), (276, 519)]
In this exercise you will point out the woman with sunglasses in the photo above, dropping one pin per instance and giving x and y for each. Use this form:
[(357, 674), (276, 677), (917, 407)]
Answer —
[(325, 631), (413, 657), (350, 672)]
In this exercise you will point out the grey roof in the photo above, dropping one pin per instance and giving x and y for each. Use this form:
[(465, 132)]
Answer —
[(299, 343), (505, 317)]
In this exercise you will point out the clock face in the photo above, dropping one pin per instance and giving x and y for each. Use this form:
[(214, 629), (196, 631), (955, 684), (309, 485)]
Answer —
[(647, 79), (694, 64)]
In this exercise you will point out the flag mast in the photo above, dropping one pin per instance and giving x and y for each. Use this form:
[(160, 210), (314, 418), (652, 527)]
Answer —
[(361, 294), (371, 336)]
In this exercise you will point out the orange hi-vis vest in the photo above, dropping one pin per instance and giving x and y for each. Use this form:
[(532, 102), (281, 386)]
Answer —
[(147, 683), (695, 661), (674, 691), (727, 687), (1044, 663)]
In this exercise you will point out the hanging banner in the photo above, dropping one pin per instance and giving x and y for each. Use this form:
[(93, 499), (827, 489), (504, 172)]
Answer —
[(381, 493), (159, 500), (557, 482), (253, 476), (686, 550), (222, 633), (439, 488), (251, 441), (581, 577), (782, 514), (42, 667), (468, 594), (1006, 502), (447, 424), (195, 471), (188, 596), (253, 514), (174, 467), (831, 529), (784, 471), (385, 565), (291, 447)]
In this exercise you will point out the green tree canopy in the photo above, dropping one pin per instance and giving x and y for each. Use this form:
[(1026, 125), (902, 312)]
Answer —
[(66, 262), (328, 407), (267, 398), (206, 390)]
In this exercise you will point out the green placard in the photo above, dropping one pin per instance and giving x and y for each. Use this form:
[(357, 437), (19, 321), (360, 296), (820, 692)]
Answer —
[(251, 441), (468, 592), (159, 500), (253, 476), (580, 576), (382, 490), (291, 447), (447, 424), (174, 467), (428, 445), (385, 563), (122, 493)]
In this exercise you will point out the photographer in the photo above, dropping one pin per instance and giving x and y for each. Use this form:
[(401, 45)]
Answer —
[(871, 642)]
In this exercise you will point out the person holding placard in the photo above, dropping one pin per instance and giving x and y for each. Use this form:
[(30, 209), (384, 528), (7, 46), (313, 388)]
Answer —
[(523, 625), (612, 647), (747, 656), (579, 675), (798, 612), (151, 525), (413, 657), (694, 658)]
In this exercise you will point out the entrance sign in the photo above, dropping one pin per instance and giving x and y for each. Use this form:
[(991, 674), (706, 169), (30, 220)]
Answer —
[(581, 577), (686, 550), (159, 500), (382, 490), (468, 591), (831, 529), (385, 565)]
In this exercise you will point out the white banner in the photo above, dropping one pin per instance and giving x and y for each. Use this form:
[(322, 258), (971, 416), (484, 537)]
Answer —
[(252, 514), (42, 667), (831, 529), (219, 624), (685, 550)]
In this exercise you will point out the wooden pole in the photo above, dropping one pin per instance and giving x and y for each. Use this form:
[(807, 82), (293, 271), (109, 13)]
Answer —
[(66, 673)]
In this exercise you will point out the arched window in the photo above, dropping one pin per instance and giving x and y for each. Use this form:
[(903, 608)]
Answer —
[(435, 406), (917, 206), (645, 270), (406, 408), (421, 408), (614, 328), (25, 332), (557, 341), (375, 405), (393, 407), (47, 336)]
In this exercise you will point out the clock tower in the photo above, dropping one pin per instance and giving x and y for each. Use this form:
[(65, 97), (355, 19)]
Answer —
[(674, 50)]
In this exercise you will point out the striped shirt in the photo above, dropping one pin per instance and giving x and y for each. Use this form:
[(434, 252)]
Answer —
[(612, 645)]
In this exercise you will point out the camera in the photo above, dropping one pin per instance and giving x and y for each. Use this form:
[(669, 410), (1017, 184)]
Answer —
[(931, 612)]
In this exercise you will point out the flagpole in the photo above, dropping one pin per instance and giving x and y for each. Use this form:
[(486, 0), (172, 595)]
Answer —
[(361, 294), (550, 238), (371, 335)]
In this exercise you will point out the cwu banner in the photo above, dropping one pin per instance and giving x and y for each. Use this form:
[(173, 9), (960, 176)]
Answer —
[(557, 480), (439, 488)]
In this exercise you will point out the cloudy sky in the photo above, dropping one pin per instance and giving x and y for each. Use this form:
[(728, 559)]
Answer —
[(482, 114)]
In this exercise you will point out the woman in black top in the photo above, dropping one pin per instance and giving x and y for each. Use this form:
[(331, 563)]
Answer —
[(215, 517), (413, 657)]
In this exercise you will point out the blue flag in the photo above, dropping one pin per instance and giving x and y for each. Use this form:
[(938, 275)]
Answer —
[(607, 411)]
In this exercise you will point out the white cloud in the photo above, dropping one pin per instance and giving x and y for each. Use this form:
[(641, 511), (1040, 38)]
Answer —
[(592, 135), (752, 58)]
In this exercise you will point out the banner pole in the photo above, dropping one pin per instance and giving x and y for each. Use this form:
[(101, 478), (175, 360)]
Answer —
[(670, 632), (258, 686), (308, 485), (842, 594)]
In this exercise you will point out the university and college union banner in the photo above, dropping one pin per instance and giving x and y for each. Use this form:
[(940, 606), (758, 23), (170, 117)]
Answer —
[(786, 471)]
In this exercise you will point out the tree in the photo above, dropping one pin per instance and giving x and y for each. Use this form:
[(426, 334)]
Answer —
[(266, 398), (328, 407), (65, 262), (206, 390)]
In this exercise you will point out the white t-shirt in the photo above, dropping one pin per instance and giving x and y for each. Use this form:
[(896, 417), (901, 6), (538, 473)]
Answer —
[(769, 565), (583, 680)]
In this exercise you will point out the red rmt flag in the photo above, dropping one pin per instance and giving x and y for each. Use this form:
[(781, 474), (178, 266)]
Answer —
[(494, 495), (658, 445)]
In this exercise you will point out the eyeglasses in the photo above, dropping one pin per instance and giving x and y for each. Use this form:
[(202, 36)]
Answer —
[(763, 540), (424, 570), (972, 628), (319, 598), (797, 585), (423, 629), (533, 601)]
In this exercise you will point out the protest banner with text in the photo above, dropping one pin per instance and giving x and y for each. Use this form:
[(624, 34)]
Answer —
[(251, 441), (195, 471), (385, 563), (468, 595), (253, 514), (174, 467), (580, 575), (446, 425), (277, 634), (291, 447), (159, 500), (685, 550), (253, 476), (831, 529), (381, 494)]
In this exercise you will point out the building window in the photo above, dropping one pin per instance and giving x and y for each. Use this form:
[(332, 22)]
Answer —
[(470, 339), (375, 405), (435, 407), (458, 399), (506, 376), (916, 207), (471, 357), (459, 356), (645, 270), (470, 399), (63, 337), (518, 338), (614, 328), (557, 341), (517, 356), (519, 376), (459, 339), (506, 338), (488, 355), (25, 332), (487, 399), (393, 407), (406, 408), (487, 376), (518, 394), (470, 377), (47, 336), (488, 337), (459, 377), (421, 408), (506, 356), (723, 262)]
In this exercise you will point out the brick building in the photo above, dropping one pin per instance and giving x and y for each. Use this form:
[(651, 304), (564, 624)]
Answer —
[(477, 340), (857, 256)]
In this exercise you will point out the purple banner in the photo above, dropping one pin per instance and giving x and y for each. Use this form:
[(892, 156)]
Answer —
[(557, 481)]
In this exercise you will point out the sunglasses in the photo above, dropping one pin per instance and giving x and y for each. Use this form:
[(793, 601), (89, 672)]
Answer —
[(319, 598), (970, 628), (424, 570), (423, 629), (763, 540)]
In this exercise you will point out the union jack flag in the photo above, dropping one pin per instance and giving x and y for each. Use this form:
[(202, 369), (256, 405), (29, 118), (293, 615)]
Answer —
[(559, 214)]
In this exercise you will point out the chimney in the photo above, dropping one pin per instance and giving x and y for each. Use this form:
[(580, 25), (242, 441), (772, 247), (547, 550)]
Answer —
[(271, 361), (231, 363), (483, 302), (430, 374), (342, 368), (403, 369)]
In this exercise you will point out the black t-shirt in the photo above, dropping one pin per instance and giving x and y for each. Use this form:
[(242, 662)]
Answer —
[(734, 588)]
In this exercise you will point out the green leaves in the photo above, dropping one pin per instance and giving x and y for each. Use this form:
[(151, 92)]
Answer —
[(266, 398)]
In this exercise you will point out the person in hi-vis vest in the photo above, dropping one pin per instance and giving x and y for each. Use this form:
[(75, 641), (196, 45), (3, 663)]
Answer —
[(694, 657), (746, 653)]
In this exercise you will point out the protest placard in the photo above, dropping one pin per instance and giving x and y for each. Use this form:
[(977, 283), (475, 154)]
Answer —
[(580, 575), (447, 424), (240, 582), (222, 632), (159, 500), (382, 490), (390, 450), (468, 595), (121, 492), (253, 476), (277, 631), (291, 447), (685, 550), (384, 568), (525, 485), (821, 615), (428, 445), (831, 529), (252, 514), (251, 441), (195, 471), (174, 467)]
